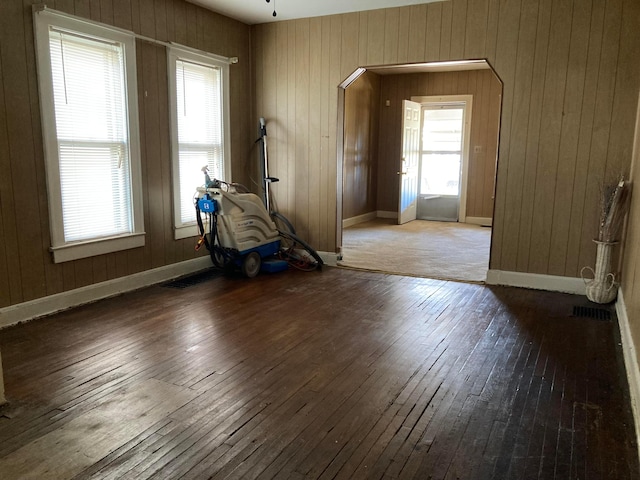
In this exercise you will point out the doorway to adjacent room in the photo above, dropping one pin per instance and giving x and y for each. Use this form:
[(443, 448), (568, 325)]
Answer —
[(452, 166)]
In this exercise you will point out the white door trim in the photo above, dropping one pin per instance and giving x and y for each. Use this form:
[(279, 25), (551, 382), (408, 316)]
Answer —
[(467, 100)]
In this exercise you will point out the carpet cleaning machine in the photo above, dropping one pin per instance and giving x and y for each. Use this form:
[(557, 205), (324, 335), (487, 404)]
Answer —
[(242, 231)]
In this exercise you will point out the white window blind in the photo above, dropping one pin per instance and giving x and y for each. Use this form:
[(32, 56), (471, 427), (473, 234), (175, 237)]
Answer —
[(89, 108), (199, 95), (200, 140), (91, 123)]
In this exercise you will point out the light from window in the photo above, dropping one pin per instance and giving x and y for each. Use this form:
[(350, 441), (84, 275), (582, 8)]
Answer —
[(199, 138), (441, 151), (90, 110), (199, 130)]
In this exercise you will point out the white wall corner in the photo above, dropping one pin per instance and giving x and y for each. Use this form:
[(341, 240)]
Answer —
[(62, 301), (536, 281), (630, 362)]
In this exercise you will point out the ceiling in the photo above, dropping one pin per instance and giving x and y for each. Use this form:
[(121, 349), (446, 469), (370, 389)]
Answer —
[(259, 11)]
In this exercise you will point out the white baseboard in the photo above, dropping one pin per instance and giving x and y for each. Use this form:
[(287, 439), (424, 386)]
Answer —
[(630, 362), (62, 301), (482, 221), (350, 222), (383, 214), (536, 281)]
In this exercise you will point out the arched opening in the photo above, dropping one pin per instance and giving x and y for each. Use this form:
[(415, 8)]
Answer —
[(447, 230)]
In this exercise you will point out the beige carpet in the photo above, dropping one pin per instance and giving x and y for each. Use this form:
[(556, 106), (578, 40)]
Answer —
[(445, 250)]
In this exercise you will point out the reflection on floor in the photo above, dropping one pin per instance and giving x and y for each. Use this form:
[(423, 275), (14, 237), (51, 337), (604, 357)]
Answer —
[(445, 250)]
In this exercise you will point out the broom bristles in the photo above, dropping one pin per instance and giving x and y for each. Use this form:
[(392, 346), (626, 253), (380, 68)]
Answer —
[(613, 210)]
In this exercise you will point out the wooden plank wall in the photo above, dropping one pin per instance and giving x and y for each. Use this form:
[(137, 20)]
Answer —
[(486, 90), (361, 120), (26, 268), (570, 76), (630, 264)]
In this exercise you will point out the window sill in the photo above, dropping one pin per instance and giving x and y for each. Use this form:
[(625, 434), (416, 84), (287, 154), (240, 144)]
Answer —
[(92, 248), (186, 231)]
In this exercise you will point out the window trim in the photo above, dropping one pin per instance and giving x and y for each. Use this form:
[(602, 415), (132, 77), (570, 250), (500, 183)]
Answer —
[(175, 53), (66, 251)]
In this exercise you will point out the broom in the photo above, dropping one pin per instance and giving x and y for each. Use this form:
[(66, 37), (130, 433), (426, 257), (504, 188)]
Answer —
[(613, 208)]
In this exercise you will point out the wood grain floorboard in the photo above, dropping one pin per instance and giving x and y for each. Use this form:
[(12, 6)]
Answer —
[(338, 374)]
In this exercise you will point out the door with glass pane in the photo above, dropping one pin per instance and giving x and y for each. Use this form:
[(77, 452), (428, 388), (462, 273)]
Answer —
[(441, 161)]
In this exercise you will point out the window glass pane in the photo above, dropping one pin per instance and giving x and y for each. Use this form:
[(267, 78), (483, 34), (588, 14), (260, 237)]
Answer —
[(199, 114), (440, 174), (442, 130), (90, 112), (441, 150)]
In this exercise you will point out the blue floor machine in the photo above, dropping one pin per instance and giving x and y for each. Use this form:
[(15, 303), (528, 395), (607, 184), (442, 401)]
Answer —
[(240, 234)]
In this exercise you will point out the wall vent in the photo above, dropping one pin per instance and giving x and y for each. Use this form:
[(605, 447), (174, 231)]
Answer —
[(591, 312)]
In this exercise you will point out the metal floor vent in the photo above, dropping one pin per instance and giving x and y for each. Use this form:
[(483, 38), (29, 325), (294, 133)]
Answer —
[(194, 279), (591, 312)]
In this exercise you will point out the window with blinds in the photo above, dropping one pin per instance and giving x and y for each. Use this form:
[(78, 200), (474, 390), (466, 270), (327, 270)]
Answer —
[(197, 94), (91, 122), (87, 87)]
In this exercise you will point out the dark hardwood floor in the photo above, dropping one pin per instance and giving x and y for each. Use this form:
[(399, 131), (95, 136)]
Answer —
[(337, 374)]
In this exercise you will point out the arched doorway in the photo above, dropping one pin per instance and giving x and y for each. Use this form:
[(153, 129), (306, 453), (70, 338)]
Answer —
[(370, 166)]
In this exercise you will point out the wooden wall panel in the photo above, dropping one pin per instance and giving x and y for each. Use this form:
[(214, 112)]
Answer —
[(403, 35), (505, 37), (8, 225), (567, 155), (505, 62), (566, 69), (278, 133), (476, 29), (389, 150), (325, 217), (458, 29), (600, 151), (292, 164), (551, 130), (485, 88), (152, 168), (417, 33), (26, 268), (376, 38), (445, 30), (434, 27), (391, 36), (630, 265), (302, 135), (315, 122), (361, 122), (122, 16), (522, 111)]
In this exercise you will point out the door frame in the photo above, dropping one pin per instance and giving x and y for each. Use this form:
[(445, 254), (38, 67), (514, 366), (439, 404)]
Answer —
[(421, 67), (467, 100)]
